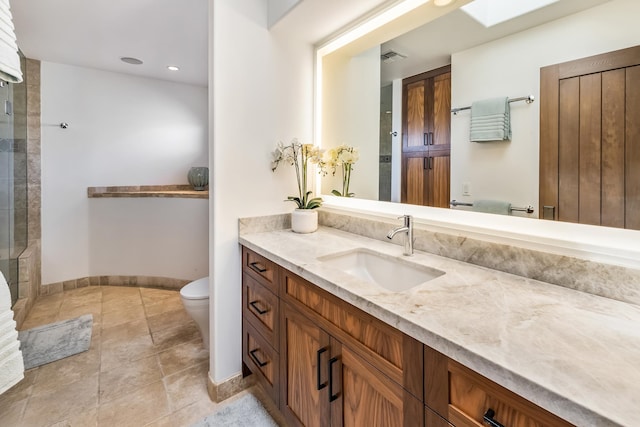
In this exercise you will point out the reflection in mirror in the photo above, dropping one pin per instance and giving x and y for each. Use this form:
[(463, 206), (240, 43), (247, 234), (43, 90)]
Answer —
[(502, 60)]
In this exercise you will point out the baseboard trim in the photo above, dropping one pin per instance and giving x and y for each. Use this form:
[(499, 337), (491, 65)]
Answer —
[(129, 281), (225, 389)]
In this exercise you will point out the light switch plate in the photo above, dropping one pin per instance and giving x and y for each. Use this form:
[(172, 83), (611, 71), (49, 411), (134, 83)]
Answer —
[(466, 189)]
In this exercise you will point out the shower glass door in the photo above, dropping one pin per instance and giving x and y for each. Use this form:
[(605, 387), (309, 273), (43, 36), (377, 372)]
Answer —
[(13, 180)]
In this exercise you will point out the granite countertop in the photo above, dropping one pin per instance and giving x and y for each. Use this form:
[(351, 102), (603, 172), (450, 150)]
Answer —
[(573, 353), (179, 191)]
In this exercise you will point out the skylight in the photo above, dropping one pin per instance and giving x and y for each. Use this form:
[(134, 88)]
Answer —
[(493, 12)]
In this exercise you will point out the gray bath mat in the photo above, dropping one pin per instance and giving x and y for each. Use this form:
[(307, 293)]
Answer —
[(246, 411), (55, 341)]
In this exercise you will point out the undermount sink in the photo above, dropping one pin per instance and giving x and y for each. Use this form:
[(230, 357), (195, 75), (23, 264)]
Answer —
[(391, 273)]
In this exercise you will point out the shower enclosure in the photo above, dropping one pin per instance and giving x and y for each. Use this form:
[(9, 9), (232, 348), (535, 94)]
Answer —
[(13, 179)]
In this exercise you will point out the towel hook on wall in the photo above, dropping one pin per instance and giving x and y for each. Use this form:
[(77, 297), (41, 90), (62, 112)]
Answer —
[(64, 125)]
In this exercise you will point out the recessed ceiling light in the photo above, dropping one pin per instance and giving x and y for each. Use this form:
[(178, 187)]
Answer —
[(172, 68), (443, 2), (130, 60)]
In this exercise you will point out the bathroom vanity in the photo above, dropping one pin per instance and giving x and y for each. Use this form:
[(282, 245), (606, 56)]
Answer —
[(469, 347)]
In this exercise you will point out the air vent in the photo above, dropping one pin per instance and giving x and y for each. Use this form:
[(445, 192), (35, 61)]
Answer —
[(392, 56)]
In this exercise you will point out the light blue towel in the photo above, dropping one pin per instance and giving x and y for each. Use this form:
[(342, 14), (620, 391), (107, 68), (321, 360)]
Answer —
[(492, 206), (490, 120)]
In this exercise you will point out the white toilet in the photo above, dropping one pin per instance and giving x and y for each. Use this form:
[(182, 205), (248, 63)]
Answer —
[(195, 298)]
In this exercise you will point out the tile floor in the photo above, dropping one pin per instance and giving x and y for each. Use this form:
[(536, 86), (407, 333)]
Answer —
[(146, 365)]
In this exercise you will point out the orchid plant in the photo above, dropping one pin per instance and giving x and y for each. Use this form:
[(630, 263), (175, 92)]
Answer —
[(300, 156), (342, 157)]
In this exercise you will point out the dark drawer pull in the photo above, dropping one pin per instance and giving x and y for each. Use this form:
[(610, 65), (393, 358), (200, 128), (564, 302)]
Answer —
[(332, 396), (320, 385), (254, 304), (488, 418), (258, 267), (253, 356)]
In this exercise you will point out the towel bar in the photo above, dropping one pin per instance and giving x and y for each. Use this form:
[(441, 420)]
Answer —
[(529, 209), (529, 99)]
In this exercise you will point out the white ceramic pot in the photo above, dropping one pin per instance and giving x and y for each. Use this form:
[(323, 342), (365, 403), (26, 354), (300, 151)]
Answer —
[(304, 220)]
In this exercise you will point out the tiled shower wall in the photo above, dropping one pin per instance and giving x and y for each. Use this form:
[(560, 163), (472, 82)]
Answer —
[(29, 264)]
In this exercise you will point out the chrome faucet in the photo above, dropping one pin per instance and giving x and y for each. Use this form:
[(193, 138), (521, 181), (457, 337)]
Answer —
[(408, 238)]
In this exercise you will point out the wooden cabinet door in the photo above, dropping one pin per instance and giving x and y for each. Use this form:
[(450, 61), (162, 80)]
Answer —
[(426, 178), (415, 179), (415, 136), (441, 116), (426, 138), (438, 178), (304, 355), (361, 395)]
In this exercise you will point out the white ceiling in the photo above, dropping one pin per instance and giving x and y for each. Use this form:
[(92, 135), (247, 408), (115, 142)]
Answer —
[(96, 33), (430, 46), (313, 21)]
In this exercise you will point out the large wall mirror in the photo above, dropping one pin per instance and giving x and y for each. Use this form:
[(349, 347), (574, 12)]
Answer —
[(491, 53)]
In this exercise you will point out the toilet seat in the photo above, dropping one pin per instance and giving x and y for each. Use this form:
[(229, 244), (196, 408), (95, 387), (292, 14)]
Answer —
[(198, 289)]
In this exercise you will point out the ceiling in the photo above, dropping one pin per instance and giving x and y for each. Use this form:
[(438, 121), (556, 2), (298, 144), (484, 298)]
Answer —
[(430, 46), (97, 33)]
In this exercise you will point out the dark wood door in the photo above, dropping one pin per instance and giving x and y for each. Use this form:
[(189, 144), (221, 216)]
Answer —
[(426, 138), (304, 355), (426, 178), (590, 140), (364, 396)]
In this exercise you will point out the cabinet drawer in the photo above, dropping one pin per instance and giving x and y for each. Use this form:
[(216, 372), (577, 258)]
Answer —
[(261, 269), (260, 308), (261, 359), (389, 350), (472, 396), (464, 397)]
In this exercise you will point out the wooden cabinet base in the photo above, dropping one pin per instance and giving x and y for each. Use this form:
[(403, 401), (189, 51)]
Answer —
[(326, 363)]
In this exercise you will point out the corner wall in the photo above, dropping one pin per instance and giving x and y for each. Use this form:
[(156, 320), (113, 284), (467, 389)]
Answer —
[(123, 130), (261, 92)]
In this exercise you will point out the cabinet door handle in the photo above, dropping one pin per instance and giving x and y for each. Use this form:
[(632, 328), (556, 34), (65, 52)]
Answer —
[(254, 304), (430, 163), (320, 385), (258, 267), (488, 418), (253, 356), (332, 396), (430, 138), (425, 138)]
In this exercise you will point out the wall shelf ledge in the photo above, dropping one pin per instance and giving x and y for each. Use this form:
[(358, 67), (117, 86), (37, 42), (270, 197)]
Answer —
[(171, 191)]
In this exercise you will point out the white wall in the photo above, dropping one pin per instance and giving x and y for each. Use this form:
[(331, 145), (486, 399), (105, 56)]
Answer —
[(261, 91), (511, 67), (123, 130), (351, 112)]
